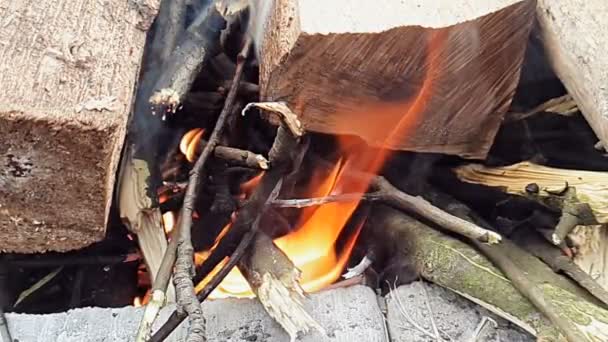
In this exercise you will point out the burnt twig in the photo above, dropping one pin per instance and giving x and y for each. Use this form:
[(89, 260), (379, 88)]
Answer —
[(184, 268), (238, 157), (200, 43), (159, 288), (387, 193)]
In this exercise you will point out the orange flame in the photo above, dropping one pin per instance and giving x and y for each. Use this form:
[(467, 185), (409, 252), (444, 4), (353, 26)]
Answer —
[(189, 143), (312, 245)]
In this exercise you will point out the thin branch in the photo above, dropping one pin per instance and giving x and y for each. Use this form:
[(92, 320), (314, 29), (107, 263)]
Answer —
[(199, 44), (159, 288), (389, 194), (184, 267), (309, 202)]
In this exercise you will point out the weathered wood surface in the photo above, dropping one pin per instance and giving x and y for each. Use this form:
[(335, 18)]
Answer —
[(429, 76), (347, 314), (575, 40), (68, 70)]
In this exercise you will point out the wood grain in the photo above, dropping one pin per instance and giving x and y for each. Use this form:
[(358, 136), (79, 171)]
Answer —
[(575, 40), (428, 76), (68, 70)]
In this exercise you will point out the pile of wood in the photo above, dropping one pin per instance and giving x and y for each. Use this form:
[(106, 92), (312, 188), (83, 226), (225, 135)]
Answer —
[(435, 78)]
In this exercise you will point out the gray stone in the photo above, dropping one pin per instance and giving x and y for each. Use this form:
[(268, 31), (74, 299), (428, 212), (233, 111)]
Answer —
[(348, 315), (409, 312)]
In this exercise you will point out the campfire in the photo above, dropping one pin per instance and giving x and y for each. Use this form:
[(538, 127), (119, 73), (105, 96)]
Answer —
[(277, 150)]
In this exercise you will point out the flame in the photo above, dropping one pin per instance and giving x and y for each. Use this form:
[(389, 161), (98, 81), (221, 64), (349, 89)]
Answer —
[(136, 302), (312, 244), (168, 221), (190, 142)]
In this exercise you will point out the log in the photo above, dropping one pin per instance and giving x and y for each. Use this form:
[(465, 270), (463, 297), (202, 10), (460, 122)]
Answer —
[(459, 267), (431, 77), (69, 72), (573, 34), (561, 189)]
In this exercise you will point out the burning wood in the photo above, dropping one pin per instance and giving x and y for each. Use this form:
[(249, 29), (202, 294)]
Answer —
[(445, 78)]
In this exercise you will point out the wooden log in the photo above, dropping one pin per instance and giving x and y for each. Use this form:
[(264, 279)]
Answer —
[(560, 189), (574, 37), (68, 75), (431, 76)]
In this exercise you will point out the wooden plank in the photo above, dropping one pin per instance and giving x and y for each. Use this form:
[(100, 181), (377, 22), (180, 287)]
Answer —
[(428, 76), (68, 71), (575, 37), (347, 314)]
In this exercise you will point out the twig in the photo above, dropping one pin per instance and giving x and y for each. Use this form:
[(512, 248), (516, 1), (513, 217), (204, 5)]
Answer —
[(480, 327), (309, 202), (239, 157), (159, 288), (199, 44), (431, 315), (184, 268), (389, 194), (4, 332), (398, 199)]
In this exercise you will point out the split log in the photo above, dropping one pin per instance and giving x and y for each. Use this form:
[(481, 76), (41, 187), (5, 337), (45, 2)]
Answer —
[(579, 195), (459, 267), (275, 281), (438, 75), (574, 38), (68, 80)]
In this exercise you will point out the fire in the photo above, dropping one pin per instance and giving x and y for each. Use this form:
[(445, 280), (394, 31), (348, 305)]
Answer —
[(311, 246), (189, 143), (168, 221)]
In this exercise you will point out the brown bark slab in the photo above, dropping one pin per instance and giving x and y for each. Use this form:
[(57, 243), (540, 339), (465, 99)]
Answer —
[(68, 73), (575, 40), (429, 76)]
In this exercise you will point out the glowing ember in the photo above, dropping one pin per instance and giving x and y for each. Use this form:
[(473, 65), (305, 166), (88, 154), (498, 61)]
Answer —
[(189, 143)]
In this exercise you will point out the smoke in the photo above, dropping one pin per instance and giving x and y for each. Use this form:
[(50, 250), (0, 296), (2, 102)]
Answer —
[(259, 13)]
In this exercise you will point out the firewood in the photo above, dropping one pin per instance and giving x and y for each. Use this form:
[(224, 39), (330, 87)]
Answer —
[(547, 184), (68, 81), (505, 290), (275, 281), (438, 75), (574, 38), (579, 195), (199, 44)]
